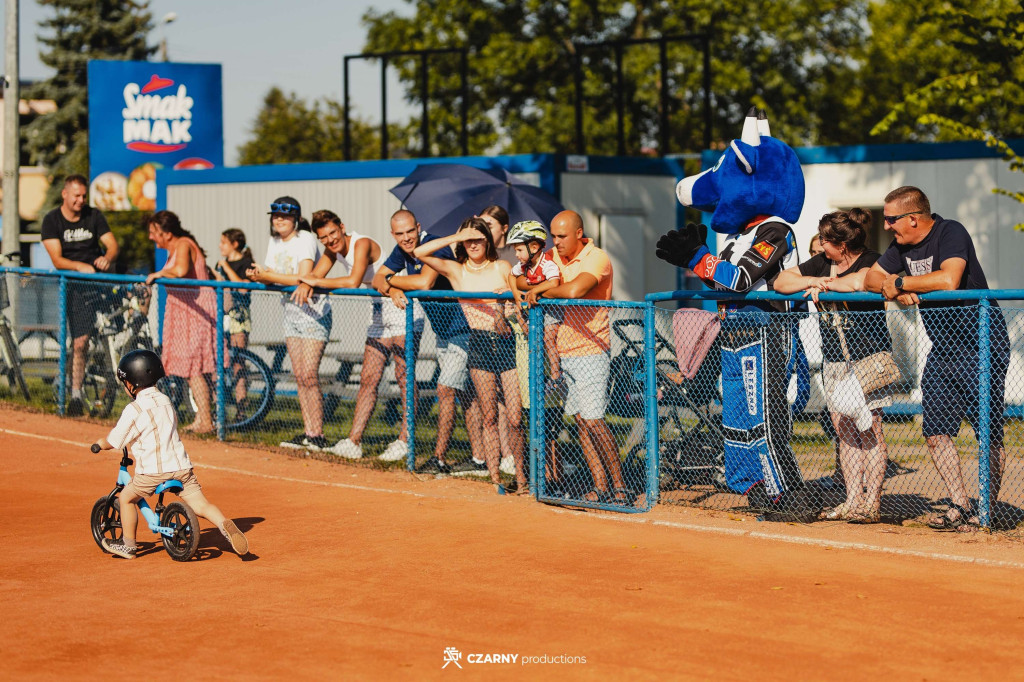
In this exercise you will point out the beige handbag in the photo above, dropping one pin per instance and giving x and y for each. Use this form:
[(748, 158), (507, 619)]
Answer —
[(873, 372)]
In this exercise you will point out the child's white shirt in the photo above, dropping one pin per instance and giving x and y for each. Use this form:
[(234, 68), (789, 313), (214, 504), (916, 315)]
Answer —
[(149, 424)]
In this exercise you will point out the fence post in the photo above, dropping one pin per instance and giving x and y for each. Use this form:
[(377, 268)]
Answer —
[(410, 384), (221, 416), (984, 407), (535, 351), (651, 404), (62, 333)]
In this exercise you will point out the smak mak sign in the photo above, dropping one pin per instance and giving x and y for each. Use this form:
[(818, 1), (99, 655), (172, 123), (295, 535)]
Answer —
[(144, 116)]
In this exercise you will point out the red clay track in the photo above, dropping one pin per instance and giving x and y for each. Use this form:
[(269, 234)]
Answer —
[(360, 574)]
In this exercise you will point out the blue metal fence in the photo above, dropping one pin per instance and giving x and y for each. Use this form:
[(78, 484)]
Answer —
[(560, 452)]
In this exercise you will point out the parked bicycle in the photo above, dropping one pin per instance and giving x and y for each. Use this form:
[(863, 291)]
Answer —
[(10, 352), (248, 394), (121, 326)]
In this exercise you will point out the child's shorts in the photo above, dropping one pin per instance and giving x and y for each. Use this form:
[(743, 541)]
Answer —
[(143, 485), (238, 320)]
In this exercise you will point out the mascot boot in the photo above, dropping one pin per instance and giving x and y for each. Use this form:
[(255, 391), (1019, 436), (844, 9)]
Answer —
[(755, 192)]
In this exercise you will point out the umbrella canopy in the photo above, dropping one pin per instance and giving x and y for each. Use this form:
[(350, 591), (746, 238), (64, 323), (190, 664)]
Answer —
[(442, 195)]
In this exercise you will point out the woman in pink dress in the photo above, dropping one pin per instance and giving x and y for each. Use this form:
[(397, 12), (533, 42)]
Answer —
[(190, 316)]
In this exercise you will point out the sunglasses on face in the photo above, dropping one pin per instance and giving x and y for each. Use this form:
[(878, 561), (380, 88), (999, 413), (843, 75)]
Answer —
[(891, 219), (290, 209)]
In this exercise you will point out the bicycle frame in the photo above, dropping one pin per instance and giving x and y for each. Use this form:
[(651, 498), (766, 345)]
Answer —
[(152, 516)]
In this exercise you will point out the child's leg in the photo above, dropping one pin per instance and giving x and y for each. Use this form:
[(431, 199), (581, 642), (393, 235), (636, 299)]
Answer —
[(551, 350), (129, 515), (209, 511)]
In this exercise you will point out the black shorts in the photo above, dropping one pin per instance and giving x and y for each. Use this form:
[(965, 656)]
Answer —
[(950, 387), (491, 352), (83, 301)]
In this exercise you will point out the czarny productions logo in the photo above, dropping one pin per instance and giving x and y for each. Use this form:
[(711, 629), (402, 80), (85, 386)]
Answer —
[(453, 655)]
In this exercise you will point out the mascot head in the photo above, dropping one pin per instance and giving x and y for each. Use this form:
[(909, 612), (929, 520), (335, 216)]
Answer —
[(756, 176)]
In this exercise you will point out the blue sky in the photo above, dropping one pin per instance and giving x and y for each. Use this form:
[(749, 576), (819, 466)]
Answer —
[(296, 45)]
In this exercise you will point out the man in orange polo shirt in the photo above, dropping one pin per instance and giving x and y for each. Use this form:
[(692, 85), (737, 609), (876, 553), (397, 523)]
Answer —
[(584, 343)]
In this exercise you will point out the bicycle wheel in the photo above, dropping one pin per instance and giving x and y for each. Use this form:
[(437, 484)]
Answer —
[(182, 545), (12, 358), (106, 520), (249, 374)]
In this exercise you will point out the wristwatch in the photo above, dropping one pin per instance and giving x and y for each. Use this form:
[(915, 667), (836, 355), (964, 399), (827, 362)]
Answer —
[(387, 277), (898, 283)]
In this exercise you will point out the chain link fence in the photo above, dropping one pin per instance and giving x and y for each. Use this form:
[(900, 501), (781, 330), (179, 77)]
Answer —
[(939, 429), (603, 404)]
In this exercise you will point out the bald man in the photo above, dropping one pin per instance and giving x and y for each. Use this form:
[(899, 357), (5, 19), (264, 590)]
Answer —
[(584, 350), (450, 329)]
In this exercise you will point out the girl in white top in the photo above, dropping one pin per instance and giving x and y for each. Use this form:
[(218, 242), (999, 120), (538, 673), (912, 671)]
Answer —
[(307, 319), (360, 257)]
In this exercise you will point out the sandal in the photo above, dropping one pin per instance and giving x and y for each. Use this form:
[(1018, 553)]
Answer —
[(865, 515), (621, 496), (945, 523), (840, 512), (594, 496)]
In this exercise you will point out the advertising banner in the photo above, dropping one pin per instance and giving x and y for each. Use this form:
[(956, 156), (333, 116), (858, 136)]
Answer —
[(144, 116)]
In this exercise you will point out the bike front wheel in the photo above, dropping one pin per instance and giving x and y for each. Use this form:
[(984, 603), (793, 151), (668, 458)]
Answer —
[(183, 543), (12, 356), (106, 520)]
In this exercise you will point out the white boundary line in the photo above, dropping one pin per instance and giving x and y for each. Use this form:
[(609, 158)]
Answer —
[(631, 518)]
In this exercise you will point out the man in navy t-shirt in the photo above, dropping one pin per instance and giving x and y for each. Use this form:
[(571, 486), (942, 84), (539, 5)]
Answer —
[(936, 254), (448, 323), (77, 237)]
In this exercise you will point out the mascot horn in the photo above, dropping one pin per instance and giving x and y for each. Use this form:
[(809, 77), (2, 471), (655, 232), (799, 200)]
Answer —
[(754, 193)]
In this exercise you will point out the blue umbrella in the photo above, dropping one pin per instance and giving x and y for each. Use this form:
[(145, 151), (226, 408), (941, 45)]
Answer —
[(442, 195)]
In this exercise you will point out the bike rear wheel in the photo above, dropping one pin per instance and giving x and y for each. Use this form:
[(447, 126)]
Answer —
[(106, 520), (182, 545), (247, 374)]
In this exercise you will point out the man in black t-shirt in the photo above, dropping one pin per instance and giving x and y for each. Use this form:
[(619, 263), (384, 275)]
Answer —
[(78, 238), (938, 255)]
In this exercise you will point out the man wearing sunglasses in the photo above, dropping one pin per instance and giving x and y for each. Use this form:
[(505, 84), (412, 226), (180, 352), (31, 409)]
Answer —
[(930, 253)]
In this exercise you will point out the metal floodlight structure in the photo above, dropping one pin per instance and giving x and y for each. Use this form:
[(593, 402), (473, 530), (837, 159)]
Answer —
[(703, 39), (424, 90)]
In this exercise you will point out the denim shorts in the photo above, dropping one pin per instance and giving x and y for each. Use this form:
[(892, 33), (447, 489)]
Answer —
[(300, 324), (453, 361)]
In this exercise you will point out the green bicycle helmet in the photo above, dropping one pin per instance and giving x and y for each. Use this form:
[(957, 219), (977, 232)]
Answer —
[(526, 231)]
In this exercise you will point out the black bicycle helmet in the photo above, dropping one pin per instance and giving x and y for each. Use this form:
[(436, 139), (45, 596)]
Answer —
[(140, 368)]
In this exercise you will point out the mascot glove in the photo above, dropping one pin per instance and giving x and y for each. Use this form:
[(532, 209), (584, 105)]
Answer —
[(685, 247)]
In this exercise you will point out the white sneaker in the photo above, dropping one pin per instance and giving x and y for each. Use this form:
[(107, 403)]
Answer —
[(347, 449), (397, 451), (508, 465)]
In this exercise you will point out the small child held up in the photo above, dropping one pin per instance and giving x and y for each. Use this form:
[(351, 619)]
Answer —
[(540, 274), (149, 424)]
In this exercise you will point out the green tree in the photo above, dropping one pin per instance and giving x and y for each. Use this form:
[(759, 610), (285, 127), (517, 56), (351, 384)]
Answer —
[(78, 31), (782, 56), (981, 96), (288, 129)]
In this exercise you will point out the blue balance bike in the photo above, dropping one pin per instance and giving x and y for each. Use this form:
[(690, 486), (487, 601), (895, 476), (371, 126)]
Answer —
[(175, 522)]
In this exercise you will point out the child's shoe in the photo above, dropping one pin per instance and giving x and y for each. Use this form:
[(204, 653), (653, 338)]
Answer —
[(236, 538), (118, 548)]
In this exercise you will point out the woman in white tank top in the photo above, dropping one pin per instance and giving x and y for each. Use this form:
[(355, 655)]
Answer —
[(492, 356)]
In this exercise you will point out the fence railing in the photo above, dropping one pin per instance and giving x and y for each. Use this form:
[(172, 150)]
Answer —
[(638, 432)]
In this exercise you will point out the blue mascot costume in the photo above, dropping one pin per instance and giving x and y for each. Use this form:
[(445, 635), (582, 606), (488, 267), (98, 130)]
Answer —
[(755, 192)]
